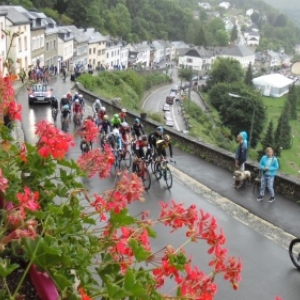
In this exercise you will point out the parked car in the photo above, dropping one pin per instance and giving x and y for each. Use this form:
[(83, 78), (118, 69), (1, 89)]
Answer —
[(170, 123), (168, 114), (205, 77), (170, 100), (175, 89), (166, 107), (185, 86), (40, 93), (195, 78)]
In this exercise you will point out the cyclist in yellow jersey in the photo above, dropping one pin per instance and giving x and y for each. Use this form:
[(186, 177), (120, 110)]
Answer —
[(162, 145)]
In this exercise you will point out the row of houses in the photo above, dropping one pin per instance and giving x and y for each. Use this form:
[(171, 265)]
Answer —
[(201, 59), (39, 41)]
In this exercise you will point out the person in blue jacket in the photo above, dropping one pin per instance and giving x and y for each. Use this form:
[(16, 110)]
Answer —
[(245, 138), (268, 166)]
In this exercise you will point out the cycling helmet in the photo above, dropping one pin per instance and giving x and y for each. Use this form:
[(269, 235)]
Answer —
[(76, 93), (116, 116), (66, 107), (123, 110), (76, 101), (97, 101), (167, 138), (144, 138), (124, 124), (137, 120), (80, 96), (160, 129), (105, 117), (102, 108), (116, 132)]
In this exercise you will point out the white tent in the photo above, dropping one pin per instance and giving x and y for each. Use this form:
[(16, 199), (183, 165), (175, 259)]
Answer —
[(273, 85)]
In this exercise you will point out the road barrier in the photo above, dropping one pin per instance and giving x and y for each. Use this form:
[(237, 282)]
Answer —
[(286, 185)]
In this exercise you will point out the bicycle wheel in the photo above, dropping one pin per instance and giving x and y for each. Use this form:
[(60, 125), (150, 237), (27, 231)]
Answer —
[(117, 162), (157, 171), (127, 159), (146, 178), (168, 177), (294, 251)]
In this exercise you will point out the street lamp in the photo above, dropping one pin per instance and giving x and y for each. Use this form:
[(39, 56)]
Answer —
[(253, 114)]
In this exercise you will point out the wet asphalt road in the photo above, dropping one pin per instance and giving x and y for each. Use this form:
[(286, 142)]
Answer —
[(156, 101), (268, 270)]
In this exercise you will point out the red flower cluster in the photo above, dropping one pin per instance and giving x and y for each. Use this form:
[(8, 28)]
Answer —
[(52, 141), (3, 183), (28, 201), (83, 294), (9, 105), (89, 131), (202, 226), (97, 162)]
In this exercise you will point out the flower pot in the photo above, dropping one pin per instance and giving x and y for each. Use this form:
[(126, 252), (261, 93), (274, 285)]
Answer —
[(43, 284)]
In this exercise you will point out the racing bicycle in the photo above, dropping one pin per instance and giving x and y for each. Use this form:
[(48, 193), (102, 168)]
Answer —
[(141, 169), (54, 114), (161, 170), (294, 251)]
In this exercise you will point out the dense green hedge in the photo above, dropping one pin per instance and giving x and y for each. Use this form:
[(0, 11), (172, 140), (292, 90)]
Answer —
[(127, 85)]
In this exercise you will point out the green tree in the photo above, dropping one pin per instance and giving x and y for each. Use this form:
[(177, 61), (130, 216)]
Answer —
[(222, 38), (283, 130), (280, 21), (292, 98), (226, 70), (186, 74), (249, 75), (268, 140), (255, 17), (200, 39), (236, 112), (234, 34)]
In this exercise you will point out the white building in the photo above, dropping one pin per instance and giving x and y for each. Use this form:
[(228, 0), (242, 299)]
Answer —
[(159, 52), (273, 85), (241, 53), (20, 51), (65, 48), (225, 5), (113, 53), (2, 39), (197, 59), (253, 39), (177, 49), (205, 5), (140, 54), (124, 57)]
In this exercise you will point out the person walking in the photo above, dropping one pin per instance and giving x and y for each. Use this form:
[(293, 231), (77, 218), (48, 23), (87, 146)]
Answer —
[(241, 154), (268, 166)]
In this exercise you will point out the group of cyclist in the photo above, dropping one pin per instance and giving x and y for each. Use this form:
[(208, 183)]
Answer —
[(116, 131)]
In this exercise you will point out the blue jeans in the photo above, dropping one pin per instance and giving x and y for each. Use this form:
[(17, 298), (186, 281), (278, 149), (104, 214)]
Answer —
[(267, 182)]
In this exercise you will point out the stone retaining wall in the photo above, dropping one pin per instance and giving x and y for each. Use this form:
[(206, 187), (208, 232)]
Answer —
[(286, 185)]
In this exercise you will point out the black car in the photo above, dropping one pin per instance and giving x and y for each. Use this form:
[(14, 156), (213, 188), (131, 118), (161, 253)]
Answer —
[(40, 93)]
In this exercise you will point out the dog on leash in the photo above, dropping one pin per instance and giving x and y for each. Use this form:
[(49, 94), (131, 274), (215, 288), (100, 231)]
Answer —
[(241, 178)]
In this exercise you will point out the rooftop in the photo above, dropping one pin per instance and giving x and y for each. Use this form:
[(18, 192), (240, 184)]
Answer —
[(13, 15), (79, 35), (238, 50)]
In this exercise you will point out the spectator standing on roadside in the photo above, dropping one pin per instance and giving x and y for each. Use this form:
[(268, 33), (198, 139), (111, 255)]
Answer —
[(241, 154), (268, 166), (245, 138)]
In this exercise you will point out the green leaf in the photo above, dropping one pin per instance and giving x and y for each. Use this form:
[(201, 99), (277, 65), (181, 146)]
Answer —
[(151, 231), (121, 219), (6, 267), (129, 280), (138, 291), (139, 252), (115, 291), (61, 281)]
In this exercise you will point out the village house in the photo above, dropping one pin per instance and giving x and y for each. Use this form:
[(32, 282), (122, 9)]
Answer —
[(51, 49), (65, 48)]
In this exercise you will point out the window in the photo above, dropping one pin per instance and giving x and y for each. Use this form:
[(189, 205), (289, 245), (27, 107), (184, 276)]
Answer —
[(99, 52), (37, 43), (26, 62), (90, 61), (118, 52), (42, 45), (103, 51), (189, 60), (20, 44), (94, 50), (90, 51), (54, 44), (47, 46), (33, 43), (107, 55), (94, 61)]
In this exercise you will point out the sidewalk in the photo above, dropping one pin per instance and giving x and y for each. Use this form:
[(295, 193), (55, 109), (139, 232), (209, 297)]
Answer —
[(282, 213)]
